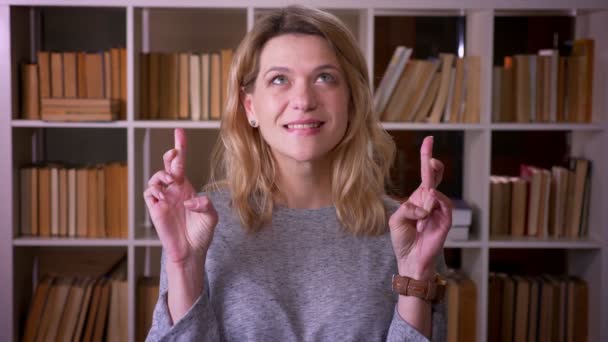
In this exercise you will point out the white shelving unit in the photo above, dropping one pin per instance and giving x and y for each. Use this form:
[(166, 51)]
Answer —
[(164, 25)]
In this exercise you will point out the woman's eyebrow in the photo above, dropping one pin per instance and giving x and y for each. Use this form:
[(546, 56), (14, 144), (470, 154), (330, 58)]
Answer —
[(286, 69)]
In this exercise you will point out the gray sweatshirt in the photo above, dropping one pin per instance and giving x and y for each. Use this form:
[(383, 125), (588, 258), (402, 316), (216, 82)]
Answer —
[(302, 278)]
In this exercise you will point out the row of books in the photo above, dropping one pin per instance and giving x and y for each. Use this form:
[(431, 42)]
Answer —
[(546, 87), (78, 309), (81, 296), (64, 201), (537, 308), (185, 85), (147, 296), (542, 203), (444, 89), (461, 303), (74, 76)]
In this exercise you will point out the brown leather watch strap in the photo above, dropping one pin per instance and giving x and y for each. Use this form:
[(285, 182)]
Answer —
[(429, 290)]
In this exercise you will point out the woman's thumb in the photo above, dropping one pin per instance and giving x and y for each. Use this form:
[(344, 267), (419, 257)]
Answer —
[(200, 204)]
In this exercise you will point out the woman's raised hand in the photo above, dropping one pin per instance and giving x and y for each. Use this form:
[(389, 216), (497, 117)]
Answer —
[(421, 224), (184, 222)]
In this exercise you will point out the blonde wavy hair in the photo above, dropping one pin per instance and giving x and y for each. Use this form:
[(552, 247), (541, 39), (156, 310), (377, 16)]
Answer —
[(242, 161)]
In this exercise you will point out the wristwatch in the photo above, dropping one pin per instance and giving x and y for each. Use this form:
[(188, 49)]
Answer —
[(429, 290)]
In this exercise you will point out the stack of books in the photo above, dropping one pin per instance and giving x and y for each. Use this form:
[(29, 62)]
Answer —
[(461, 303), (537, 308), (545, 87), (542, 203), (75, 86), (444, 89), (183, 85), (66, 201), (462, 216)]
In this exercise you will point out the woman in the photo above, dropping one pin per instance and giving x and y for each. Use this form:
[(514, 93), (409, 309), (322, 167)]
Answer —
[(294, 239)]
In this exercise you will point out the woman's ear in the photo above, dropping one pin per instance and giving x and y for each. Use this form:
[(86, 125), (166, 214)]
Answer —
[(247, 101)]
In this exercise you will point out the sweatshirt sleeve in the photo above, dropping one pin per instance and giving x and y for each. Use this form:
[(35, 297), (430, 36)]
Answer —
[(400, 330), (198, 324)]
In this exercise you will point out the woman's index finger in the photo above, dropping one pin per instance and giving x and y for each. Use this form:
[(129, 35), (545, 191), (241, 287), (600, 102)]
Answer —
[(426, 171), (178, 163)]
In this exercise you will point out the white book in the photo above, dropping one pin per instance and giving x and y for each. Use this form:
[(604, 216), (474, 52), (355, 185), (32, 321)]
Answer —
[(389, 79), (195, 87), (462, 213), (458, 233), (205, 86), (72, 202)]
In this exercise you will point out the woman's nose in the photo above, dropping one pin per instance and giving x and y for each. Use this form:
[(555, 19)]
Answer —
[(303, 96)]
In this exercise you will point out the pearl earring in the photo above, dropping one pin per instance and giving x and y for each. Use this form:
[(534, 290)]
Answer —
[(253, 123)]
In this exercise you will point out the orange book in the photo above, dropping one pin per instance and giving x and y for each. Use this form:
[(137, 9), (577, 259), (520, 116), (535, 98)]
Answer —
[(44, 201), (89, 285), (82, 230), (102, 312), (37, 308), (173, 86), (473, 83), (92, 206), (163, 86), (94, 75), (93, 311), (107, 75), (144, 86), (110, 201), (81, 70), (226, 57), (123, 83), (70, 74), (56, 74), (63, 202), (507, 95), (44, 66), (115, 73), (101, 202), (215, 89), (184, 86), (154, 68), (124, 201), (30, 98)]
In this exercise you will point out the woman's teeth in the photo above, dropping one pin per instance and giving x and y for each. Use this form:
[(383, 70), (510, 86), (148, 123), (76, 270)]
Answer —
[(304, 126)]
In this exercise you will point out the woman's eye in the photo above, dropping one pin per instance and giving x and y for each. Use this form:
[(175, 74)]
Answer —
[(327, 78), (280, 79)]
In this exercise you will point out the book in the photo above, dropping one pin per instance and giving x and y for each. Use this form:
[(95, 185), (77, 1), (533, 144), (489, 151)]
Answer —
[(393, 71), (462, 212), (144, 86), (184, 86), (215, 101), (447, 60), (30, 99), (458, 233), (195, 87), (44, 69)]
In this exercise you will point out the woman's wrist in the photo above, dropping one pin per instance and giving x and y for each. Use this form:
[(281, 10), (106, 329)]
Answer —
[(416, 272), (185, 285)]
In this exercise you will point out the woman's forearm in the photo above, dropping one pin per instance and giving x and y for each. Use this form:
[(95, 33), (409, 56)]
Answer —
[(417, 312), (185, 285)]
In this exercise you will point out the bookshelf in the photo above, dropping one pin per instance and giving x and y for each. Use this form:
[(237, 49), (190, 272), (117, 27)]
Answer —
[(162, 25)]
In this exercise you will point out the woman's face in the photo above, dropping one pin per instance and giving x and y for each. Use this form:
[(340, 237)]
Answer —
[(300, 98)]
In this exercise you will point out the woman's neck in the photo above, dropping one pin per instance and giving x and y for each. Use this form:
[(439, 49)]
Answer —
[(304, 185)]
